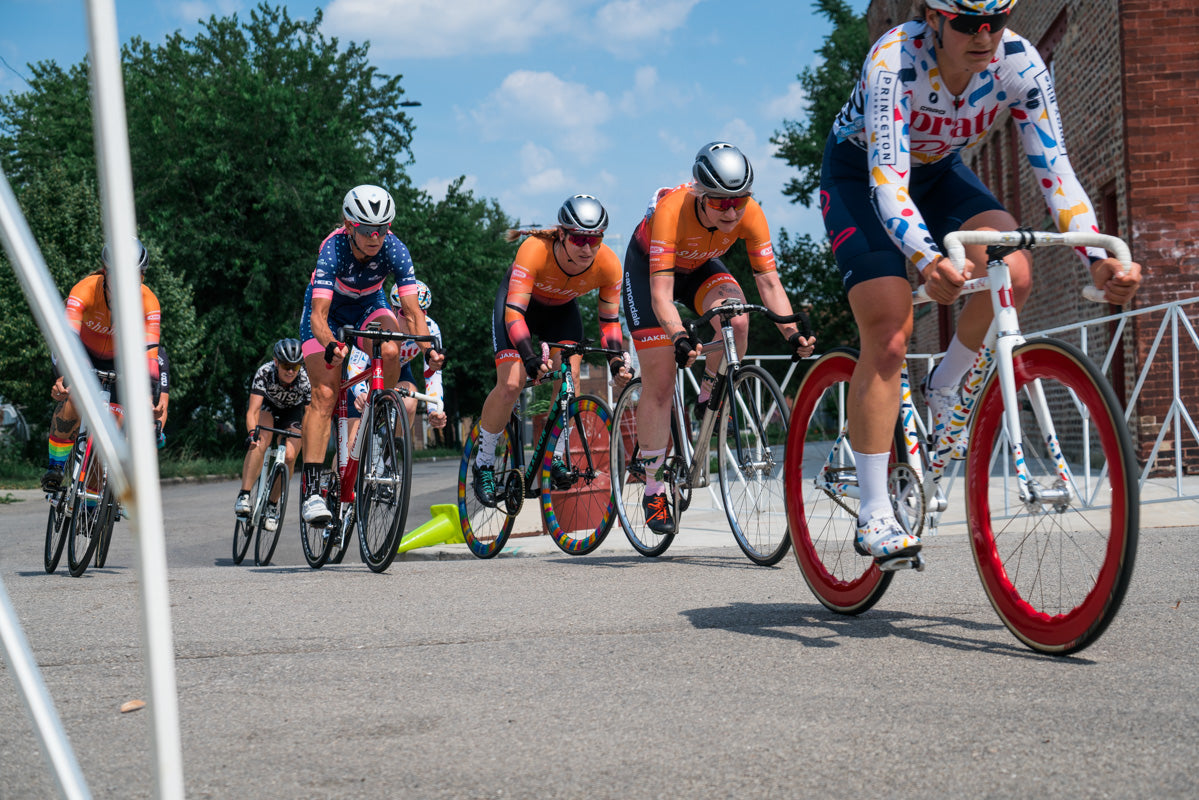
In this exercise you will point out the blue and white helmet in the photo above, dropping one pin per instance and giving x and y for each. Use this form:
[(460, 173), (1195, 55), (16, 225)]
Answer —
[(972, 7), (424, 297)]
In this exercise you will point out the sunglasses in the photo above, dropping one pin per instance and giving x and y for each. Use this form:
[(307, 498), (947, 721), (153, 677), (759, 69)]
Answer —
[(283, 365), (725, 203), (370, 230), (971, 24), (583, 240)]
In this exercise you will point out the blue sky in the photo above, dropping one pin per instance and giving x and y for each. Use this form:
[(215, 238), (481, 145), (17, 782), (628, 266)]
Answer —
[(535, 100)]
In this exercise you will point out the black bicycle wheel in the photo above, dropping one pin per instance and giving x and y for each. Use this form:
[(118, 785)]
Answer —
[(752, 440), (270, 523), (579, 516), (486, 527), (316, 541), (384, 481), (110, 520), (1056, 566), (628, 476), (243, 529), (58, 522), (87, 516)]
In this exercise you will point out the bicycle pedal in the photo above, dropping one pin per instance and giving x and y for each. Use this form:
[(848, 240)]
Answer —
[(896, 563)]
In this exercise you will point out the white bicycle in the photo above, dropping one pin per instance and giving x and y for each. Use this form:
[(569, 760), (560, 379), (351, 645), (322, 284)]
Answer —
[(1052, 502)]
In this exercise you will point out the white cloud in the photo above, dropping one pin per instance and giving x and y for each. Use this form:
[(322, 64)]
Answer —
[(437, 187), (189, 11), (440, 28), (550, 181), (568, 113), (792, 105), (622, 26)]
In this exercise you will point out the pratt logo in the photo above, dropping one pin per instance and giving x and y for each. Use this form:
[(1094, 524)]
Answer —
[(960, 128), (882, 112)]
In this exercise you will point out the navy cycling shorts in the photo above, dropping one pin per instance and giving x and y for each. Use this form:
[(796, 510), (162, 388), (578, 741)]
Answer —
[(947, 193)]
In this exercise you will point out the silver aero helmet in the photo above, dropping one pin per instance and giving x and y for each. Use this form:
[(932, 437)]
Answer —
[(972, 7), (143, 258), (288, 351), (369, 205), (583, 214), (721, 169)]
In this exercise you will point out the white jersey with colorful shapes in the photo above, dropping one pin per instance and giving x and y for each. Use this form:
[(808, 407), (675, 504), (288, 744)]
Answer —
[(360, 361), (902, 115)]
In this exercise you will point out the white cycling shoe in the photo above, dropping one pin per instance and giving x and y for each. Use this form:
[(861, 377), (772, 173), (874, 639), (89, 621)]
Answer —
[(270, 521), (315, 512), (883, 538)]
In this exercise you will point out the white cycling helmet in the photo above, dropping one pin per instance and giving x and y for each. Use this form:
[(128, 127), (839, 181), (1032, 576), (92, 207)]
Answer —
[(972, 7), (424, 297), (582, 213), (369, 205)]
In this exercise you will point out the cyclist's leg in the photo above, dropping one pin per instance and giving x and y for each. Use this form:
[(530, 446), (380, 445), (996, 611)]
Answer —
[(324, 381), (64, 428)]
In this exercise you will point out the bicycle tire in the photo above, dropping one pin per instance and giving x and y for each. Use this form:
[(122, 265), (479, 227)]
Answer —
[(243, 529), (86, 521), (579, 518), (1062, 600), (485, 528), (751, 466), (628, 490), (109, 519), (822, 523), (384, 481), (314, 540), (57, 524), (265, 541)]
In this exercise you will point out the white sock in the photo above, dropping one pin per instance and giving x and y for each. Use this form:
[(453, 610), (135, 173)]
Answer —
[(953, 366), (652, 459), (487, 443), (872, 485)]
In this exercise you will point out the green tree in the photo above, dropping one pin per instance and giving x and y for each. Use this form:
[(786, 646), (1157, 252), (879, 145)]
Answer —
[(807, 266)]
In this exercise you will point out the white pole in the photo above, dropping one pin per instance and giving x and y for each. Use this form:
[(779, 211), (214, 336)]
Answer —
[(145, 501)]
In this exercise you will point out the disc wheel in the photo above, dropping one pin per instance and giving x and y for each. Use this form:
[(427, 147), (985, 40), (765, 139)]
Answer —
[(579, 516), (486, 528), (384, 481), (1055, 570), (819, 469), (628, 476), (752, 440), (272, 511)]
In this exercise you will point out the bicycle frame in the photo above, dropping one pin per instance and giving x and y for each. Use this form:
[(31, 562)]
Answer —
[(107, 381), (275, 454), (996, 354)]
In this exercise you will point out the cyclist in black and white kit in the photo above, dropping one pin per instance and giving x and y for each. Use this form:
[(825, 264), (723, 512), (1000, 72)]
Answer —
[(893, 183), (279, 394)]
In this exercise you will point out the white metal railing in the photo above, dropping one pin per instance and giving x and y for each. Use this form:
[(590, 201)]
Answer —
[(132, 457), (1179, 418)]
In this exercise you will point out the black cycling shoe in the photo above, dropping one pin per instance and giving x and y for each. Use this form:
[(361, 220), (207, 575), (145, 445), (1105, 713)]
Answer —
[(484, 485), (657, 513), (52, 480), (559, 474)]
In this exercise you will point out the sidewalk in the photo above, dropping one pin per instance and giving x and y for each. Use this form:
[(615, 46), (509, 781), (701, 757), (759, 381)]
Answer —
[(705, 524)]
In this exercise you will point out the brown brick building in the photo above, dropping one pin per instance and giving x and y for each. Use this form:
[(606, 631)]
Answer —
[(1127, 79)]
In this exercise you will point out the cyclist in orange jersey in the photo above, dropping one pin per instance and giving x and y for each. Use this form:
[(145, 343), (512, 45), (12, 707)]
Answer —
[(538, 294), (674, 256), (88, 312)]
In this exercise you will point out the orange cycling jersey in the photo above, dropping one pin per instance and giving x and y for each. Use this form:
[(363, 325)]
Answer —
[(88, 313), (677, 241), (537, 275)]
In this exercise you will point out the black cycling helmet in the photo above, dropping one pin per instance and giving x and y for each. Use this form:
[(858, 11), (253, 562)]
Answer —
[(143, 258), (722, 170), (583, 214), (288, 351)]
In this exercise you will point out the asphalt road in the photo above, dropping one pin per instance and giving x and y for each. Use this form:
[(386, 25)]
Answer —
[(603, 676)]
